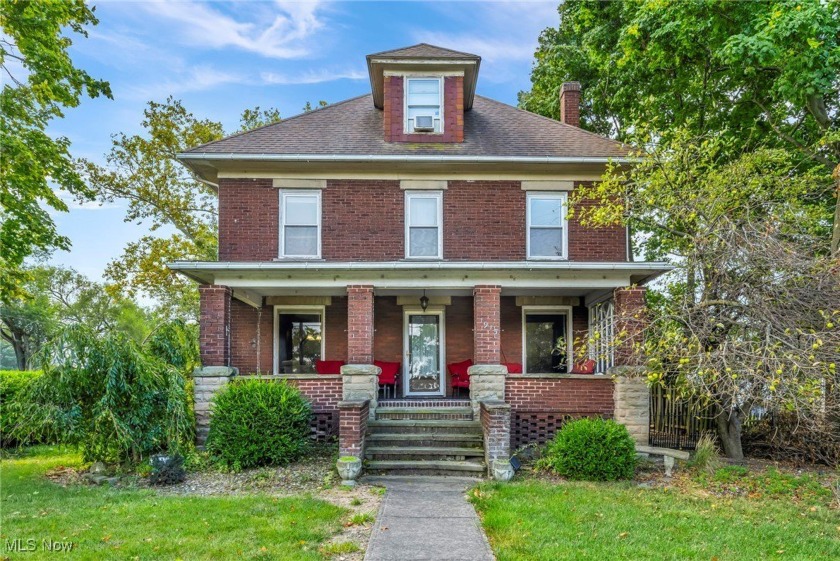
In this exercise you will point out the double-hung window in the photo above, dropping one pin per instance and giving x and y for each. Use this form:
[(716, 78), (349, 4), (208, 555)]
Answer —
[(300, 224), (423, 105), (547, 229), (423, 225)]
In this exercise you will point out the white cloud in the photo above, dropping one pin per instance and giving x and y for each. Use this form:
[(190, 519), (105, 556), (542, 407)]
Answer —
[(196, 78), (312, 77), (276, 30)]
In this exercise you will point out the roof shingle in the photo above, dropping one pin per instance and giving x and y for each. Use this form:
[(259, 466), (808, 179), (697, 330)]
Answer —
[(354, 127), (423, 51)]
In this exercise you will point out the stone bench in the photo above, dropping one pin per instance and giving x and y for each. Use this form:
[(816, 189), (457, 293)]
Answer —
[(668, 455)]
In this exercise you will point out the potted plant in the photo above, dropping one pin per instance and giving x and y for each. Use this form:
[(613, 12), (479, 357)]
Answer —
[(349, 468)]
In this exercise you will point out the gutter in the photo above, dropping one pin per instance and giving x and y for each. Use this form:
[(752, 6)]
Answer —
[(398, 158), (417, 265)]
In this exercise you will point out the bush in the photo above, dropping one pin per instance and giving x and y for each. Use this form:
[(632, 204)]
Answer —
[(107, 394), (257, 423), (13, 384), (591, 449)]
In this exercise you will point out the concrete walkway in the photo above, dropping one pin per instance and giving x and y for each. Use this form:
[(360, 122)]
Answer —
[(427, 518)]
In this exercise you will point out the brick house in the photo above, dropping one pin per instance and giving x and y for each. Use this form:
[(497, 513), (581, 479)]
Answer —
[(417, 236)]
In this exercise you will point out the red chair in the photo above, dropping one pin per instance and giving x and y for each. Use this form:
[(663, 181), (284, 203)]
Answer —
[(459, 373), (388, 377), (585, 367), (514, 367), (328, 366)]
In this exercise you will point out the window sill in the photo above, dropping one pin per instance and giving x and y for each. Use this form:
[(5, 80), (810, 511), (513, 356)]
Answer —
[(287, 259), (546, 258)]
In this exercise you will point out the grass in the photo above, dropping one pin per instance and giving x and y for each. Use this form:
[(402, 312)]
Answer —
[(361, 519), (542, 520), (125, 523)]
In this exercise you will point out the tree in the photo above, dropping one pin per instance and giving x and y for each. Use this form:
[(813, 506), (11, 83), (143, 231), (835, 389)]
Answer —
[(256, 117), (42, 82), (755, 73), (751, 313), (308, 107), (57, 297), (143, 170)]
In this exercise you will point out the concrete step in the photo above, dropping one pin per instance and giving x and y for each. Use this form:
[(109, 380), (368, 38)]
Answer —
[(423, 426), (425, 413), (432, 453), (425, 439), (425, 467)]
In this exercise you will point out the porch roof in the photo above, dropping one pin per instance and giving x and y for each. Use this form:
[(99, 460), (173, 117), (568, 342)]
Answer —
[(442, 277)]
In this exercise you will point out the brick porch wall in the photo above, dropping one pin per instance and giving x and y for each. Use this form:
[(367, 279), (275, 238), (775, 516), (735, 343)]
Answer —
[(540, 405)]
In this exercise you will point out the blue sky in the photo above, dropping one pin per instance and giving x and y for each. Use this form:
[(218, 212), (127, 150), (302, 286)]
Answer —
[(220, 58)]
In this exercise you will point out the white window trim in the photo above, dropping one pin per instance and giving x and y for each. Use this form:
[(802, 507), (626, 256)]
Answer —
[(567, 310), (565, 225), (292, 192), (406, 80), (279, 309), (438, 195)]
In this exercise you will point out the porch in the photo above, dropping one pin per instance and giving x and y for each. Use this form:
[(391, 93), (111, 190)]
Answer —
[(532, 347)]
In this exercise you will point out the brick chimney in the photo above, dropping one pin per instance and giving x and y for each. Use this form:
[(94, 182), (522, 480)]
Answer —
[(570, 103)]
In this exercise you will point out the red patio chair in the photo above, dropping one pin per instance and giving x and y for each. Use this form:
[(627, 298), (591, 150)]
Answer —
[(514, 367), (328, 366), (388, 377), (585, 367), (459, 372)]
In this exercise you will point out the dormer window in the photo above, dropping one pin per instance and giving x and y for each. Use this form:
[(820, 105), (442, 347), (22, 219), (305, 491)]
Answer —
[(423, 102)]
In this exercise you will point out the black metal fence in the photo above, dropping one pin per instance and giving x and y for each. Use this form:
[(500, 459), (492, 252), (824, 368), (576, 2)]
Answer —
[(676, 422)]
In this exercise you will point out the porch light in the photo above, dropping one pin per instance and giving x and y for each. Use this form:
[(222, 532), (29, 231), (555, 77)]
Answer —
[(424, 301)]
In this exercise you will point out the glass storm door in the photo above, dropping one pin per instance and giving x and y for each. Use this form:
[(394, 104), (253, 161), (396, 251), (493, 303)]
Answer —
[(424, 360)]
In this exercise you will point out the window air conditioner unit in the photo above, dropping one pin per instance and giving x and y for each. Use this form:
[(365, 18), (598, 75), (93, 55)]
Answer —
[(424, 123)]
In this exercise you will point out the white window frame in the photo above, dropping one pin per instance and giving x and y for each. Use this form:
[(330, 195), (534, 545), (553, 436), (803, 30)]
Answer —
[(284, 193), (559, 310), (561, 196), (281, 309), (438, 196), (406, 80)]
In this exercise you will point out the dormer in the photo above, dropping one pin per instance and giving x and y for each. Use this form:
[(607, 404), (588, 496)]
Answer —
[(423, 92)]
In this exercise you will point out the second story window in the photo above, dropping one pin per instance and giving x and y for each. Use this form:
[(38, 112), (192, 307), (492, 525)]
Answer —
[(547, 231), (300, 224), (423, 220), (423, 105)]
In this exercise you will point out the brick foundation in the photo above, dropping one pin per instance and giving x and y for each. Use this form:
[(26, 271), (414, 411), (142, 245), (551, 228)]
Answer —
[(352, 427), (495, 424), (540, 405)]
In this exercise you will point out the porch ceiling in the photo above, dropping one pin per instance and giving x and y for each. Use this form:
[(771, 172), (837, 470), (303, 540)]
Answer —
[(517, 278)]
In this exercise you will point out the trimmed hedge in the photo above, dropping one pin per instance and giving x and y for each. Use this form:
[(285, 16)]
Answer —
[(257, 423), (12, 386), (593, 450)]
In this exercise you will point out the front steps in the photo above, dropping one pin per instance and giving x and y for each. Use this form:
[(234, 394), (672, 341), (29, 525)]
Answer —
[(425, 438)]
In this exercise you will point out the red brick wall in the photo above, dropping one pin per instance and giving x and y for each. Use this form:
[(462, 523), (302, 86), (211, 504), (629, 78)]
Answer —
[(249, 218), (360, 324), (566, 395), (214, 316), (335, 330), (511, 318), (244, 320), (453, 112), (324, 393), (486, 325), (388, 322), (596, 244), (484, 221), (630, 322), (363, 221)]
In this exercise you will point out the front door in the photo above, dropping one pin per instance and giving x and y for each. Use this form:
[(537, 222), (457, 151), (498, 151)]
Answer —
[(424, 359)]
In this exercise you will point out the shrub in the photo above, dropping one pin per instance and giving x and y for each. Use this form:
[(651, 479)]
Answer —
[(258, 423), (13, 384), (105, 393), (591, 449)]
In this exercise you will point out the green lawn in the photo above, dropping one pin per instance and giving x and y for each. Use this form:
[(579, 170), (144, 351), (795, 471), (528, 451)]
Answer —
[(113, 523), (556, 521)]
